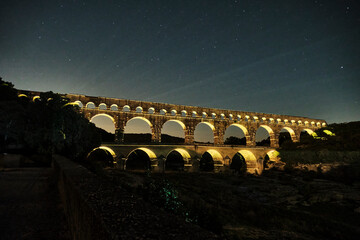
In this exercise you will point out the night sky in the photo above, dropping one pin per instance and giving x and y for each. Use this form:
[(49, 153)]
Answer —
[(288, 57)]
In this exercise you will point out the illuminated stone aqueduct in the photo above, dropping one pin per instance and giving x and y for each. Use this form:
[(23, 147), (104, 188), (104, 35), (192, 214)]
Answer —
[(157, 114)]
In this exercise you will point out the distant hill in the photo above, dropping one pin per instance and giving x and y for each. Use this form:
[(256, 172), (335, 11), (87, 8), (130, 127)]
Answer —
[(336, 136), (235, 141), (165, 138), (146, 138), (137, 138), (264, 142), (106, 136), (347, 135)]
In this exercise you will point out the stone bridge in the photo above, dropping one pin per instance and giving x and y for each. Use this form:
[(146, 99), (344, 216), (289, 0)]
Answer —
[(163, 157), (157, 114), (120, 111)]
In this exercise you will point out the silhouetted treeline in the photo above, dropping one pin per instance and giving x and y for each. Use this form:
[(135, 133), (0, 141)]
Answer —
[(48, 125), (264, 142), (146, 138), (337, 136), (165, 138), (106, 136), (347, 135), (235, 141), (137, 138)]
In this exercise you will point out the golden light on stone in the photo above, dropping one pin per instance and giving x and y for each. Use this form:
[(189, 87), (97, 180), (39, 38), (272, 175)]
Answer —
[(128, 110), (139, 109), (114, 107), (151, 110)]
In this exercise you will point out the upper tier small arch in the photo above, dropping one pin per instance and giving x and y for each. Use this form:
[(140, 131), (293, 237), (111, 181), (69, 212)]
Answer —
[(90, 105)]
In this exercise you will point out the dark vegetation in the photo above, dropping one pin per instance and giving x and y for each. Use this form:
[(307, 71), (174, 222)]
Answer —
[(277, 205), (335, 147), (165, 138), (48, 125), (137, 138), (264, 142), (106, 136), (336, 136), (207, 143), (280, 204), (146, 138), (232, 140)]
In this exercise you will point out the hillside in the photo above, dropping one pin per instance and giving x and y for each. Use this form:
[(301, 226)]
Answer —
[(337, 136)]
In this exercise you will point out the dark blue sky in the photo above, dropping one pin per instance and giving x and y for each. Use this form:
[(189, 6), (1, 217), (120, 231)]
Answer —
[(288, 57)]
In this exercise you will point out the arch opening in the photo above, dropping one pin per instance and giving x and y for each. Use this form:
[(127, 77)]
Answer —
[(177, 159), (151, 110), (102, 106), (107, 125), (238, 163), (306, 136), (114, 107), (126, 108), (173, 131), (90, 105), (286, 136), (141, 159), (211, 160), (235, 134), (138, 130), (204, 133), (78, 102), (270, 158), (263, 136), (102, 155), (245, 161)]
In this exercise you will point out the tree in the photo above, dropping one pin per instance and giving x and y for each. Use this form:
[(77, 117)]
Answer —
[(49, 125), (11, 115), (7, 91), (60, 128), (232, 140)]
